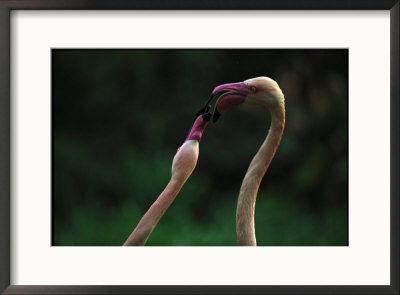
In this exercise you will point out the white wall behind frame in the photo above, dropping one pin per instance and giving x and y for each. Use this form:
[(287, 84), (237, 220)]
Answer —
[(365, 261)]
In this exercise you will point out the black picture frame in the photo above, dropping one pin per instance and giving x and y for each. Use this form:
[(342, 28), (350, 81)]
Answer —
[(6, 6)]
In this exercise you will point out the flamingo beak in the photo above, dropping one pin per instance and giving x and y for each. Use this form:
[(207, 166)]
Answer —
[(199, 125), (229, 95)]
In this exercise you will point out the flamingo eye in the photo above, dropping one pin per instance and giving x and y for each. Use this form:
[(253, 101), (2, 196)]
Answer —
[(253, 89)]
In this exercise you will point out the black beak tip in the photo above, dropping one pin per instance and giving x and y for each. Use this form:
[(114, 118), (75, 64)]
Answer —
[(206, 117), (216, 116)]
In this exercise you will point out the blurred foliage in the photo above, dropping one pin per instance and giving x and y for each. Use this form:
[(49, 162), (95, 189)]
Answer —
[(120, 115)]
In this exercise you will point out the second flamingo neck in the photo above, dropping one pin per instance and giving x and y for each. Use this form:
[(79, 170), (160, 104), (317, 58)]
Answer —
[(251, 182)]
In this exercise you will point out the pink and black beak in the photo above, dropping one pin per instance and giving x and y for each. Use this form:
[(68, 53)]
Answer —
[(201, 120), (229, 95)]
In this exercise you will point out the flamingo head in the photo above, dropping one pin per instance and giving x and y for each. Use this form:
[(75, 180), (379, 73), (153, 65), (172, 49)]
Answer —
[(262, 91)]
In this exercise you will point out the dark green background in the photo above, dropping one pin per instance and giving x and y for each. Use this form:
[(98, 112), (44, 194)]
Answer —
[(119, 116)]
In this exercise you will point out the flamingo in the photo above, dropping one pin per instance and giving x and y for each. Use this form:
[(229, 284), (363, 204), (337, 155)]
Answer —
[(183, 165), (264, 92)]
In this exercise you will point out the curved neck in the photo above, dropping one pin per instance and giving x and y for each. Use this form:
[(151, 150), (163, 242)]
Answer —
[(248, 192), (183, 164), (148, 222)]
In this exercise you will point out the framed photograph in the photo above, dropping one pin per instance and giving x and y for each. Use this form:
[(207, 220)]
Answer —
[(195, 132)]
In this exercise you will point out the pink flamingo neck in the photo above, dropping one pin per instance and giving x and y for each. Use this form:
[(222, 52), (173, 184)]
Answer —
[(248, 192), (148, 222), (182, 167)]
